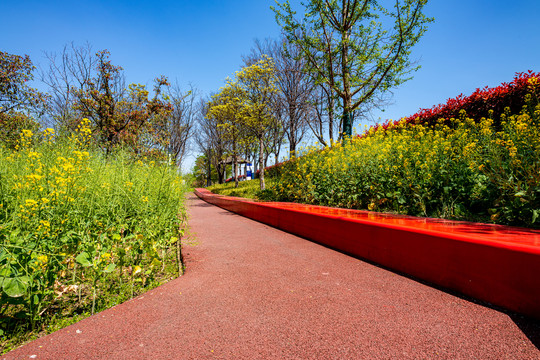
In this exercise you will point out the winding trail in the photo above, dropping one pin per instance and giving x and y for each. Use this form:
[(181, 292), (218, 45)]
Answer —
[(255, 292)]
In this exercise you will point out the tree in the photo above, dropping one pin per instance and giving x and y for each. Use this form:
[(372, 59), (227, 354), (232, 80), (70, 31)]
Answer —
[(323, 115), (72, 69), (121, 115), (292, 101), (258, 84), (229, 109), (17, 99), (15, 94), (348, 48), (180, 121), (211, 141), (201, 172)]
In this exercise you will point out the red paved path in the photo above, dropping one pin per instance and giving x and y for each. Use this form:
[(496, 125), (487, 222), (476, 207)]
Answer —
[(254, 292)]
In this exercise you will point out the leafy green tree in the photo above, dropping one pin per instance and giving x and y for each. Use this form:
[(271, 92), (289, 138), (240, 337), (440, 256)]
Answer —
[(201, 171), (258, 84), (357, 47), (228, 107)]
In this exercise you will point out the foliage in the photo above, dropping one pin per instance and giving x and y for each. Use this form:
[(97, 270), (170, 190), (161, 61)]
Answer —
[(80, 232), (119, 118), (84, 84), (17, 99), (228, 108), (486, 102), (210, 139), (247, 189), (479, 104), (15, 94), (273, 170), (457, 169), (12, 123), (358, 49), (258, 82), (200, 172)]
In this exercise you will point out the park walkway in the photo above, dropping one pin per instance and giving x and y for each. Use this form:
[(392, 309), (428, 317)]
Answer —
[(255, 292)]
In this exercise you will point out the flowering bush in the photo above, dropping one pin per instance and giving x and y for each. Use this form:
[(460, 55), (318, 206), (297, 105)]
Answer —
[(78, 231), (460, 168), (480, 103)]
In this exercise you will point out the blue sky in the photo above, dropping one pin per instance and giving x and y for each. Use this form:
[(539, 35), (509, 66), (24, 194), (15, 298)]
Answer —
[(471, 44)]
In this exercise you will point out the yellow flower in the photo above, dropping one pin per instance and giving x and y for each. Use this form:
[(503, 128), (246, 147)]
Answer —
[(30, 202), (27, 133), (42, 259), (34, 154)]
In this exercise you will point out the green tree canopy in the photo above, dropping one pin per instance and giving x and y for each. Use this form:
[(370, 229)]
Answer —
[(358, 48)]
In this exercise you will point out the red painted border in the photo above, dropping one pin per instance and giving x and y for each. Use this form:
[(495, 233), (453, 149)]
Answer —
[(492, 263)]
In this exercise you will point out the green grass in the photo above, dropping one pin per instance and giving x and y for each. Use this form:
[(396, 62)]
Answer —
[(249, 189)]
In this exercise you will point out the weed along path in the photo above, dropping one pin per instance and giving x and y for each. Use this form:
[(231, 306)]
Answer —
[(255, 292)]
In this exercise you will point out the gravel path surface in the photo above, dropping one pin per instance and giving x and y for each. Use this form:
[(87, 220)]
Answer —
[(255, 292)]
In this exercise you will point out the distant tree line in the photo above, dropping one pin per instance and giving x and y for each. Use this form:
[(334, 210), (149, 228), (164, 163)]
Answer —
[(329, 69), (81, 83)]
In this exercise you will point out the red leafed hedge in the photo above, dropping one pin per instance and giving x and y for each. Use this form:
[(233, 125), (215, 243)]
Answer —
[(479, 103)]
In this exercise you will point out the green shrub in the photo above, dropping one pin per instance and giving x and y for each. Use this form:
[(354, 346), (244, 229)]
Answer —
[(246, 189), (457, 169)]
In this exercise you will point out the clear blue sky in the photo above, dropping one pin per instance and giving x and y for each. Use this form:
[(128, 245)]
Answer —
[(471, 44)]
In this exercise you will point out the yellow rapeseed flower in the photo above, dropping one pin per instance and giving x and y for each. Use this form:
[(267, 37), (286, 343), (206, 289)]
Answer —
[(27, 133), (30, 203)]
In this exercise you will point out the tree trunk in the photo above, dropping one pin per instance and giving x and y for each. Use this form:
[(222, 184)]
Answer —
[(347, 123), (261, 163), (221, 173), (209, 174), (292, 132), (235, 165), (331, 119), (235, 171)]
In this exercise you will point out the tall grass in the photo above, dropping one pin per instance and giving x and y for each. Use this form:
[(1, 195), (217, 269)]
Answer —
[(80, 232)]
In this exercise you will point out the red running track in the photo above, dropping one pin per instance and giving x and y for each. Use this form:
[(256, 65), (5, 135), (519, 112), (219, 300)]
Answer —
[(255, 292), (496, 264)]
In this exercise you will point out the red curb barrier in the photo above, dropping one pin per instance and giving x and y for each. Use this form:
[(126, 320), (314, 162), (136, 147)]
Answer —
[(496, 264)]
